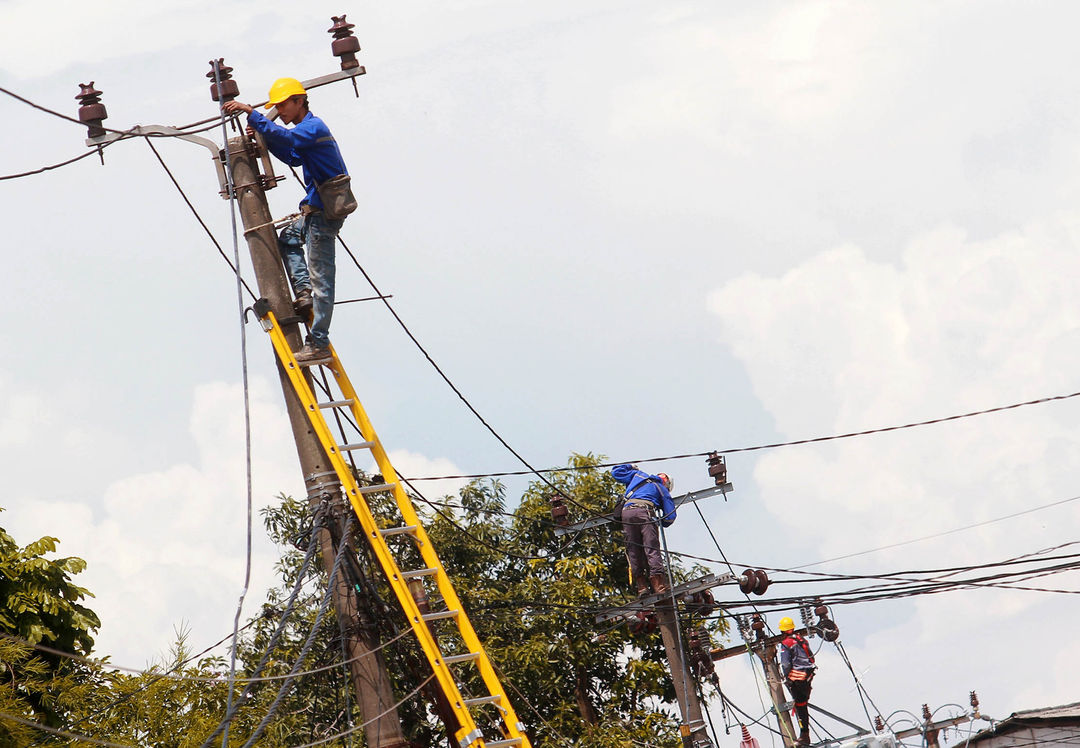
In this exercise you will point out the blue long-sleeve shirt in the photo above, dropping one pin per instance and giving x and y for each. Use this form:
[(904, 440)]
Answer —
[(308, 144), (641, 485)]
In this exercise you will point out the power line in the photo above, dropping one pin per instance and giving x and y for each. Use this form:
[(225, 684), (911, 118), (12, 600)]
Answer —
[(772, 445), (198, 217)]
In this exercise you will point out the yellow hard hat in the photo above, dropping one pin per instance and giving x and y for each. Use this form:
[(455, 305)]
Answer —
[(786, 624), (283, 89)]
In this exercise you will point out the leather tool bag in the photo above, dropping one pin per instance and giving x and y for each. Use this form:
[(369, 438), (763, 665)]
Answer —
[(337, 197)]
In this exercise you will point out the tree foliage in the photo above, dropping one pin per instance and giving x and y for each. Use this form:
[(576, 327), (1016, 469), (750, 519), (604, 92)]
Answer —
[(39, 604), (531, 595)]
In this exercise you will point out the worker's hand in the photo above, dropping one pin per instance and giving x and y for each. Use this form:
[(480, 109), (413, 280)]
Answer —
[(250, 132), (231, 107)]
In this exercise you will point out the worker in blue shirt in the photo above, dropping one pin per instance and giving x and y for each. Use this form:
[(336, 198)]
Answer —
[(308, 143), (647, 498), (797, 667)]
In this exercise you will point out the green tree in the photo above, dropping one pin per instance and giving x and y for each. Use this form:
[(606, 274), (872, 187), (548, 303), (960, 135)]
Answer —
[(40, 606), (532, 597)]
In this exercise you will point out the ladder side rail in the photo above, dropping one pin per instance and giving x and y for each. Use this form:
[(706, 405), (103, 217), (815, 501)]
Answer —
[(468, 735), (513, 727)]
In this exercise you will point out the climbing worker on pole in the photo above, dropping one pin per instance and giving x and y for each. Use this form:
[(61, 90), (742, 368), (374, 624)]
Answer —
[(647, 498), (308, 143), (797, 667)]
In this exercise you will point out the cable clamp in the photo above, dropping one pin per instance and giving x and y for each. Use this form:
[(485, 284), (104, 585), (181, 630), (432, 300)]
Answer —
[(325, 490), (315, 476)]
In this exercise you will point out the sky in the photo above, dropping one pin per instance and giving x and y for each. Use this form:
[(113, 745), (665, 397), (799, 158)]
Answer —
[(626, 228)]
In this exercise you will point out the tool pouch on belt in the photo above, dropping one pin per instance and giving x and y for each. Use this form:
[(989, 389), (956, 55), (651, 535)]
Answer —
[(337, 197)]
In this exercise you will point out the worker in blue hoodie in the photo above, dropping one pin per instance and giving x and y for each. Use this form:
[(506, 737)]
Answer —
[(308, 143), (647, 500)]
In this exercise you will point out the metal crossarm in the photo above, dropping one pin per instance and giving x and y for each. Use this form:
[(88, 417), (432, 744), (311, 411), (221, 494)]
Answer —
[(499, 714)]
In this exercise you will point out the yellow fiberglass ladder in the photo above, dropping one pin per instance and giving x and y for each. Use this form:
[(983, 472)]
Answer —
[(469, 735)]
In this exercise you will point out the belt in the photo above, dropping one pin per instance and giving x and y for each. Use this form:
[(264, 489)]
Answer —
[(639, 502)]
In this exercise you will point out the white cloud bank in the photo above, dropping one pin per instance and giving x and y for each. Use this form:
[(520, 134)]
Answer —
[(166, 548), (841, 343)]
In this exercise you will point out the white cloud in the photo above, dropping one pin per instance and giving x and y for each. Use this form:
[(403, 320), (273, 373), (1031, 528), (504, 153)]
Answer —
[(843, 343), (167, 547)]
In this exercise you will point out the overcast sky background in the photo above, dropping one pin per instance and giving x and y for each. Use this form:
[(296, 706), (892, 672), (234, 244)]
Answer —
[(629, 228)]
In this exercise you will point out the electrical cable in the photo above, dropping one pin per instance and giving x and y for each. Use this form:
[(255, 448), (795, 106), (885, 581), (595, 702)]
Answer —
[(377, 717), (43, 169), (307, 644), (858, 683), (62, 733), (772, 445), (309, 556), (247, 397), (234, 268), (386, 301)]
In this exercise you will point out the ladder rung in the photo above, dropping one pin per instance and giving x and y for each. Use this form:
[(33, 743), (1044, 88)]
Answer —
[(501, 743), (439, 615), (455, 659), (482, 700), (398, 530), (356, 445), (418, 573), (376, 488), (337, 404)]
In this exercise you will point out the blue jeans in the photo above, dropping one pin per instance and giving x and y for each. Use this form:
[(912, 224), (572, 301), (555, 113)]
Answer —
[(321, 237)]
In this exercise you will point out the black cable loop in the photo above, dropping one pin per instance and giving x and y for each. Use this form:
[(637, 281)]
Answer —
[(286, 686), (246, 693)]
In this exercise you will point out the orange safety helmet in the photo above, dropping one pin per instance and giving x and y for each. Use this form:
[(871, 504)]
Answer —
[(284, 88), (668, 482)]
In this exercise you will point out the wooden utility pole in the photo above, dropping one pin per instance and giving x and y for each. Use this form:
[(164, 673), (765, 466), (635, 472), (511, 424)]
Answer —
[(776, 691), (367, 667)]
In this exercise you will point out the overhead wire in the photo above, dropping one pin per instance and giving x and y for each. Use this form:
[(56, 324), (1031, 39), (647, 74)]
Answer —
[(771, 445), (352, 730), (280, 629), (168, 171), (62, 733), (246, 390), (342, 547)]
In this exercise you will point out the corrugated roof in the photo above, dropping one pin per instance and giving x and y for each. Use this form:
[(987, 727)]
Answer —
[(1046, 714)]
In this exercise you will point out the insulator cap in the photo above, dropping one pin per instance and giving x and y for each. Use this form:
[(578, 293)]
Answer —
[(717, 468), (345, 45), (229, 89), (92, 111)]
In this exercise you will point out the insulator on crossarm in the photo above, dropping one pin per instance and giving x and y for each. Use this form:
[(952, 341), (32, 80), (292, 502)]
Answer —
[(91, 111), (717, 468), (975, 705), (559, 512), (345, 45), (229, 89), (879, 724), (926, 712)]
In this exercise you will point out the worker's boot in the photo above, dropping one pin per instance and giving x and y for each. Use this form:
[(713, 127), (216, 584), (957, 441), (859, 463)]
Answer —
[(643, 589), (304, 304), (659, 583), (804, 737)]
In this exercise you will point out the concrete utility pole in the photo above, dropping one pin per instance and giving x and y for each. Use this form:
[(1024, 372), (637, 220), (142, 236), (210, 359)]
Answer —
[(693, 729), (368, 668)]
